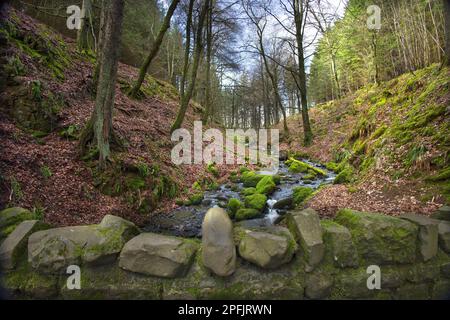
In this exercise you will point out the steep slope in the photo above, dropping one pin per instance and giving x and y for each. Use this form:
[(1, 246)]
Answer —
[(390, 143), (45, 104)]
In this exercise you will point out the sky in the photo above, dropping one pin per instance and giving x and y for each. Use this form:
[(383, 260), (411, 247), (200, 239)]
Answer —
[(273, 29)]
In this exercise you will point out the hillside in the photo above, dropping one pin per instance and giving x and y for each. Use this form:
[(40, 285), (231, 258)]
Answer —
[(390, 143), (44, 106)]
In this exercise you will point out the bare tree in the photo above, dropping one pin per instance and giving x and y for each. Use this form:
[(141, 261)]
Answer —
[(186, 98), (100, 125), (155, 48)]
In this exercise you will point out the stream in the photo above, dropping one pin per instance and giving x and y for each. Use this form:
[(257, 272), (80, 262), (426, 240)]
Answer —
[(186, 221)]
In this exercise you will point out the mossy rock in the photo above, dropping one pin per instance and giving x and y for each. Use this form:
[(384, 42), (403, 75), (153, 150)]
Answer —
[(266, 185), (345, 176), (11, 217), (380, 239), (233, 206), (250, 179), (256, 201), (246, 214), (248, 191), (196, 199), (301, 194), (297, 166)]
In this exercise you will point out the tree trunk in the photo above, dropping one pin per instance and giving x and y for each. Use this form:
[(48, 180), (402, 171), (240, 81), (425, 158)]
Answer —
[(99, 46), (155, 48), (188, 46), (447, 31), (101, 122), (209, 39), (86, 36), (198, 52), (298, 18)]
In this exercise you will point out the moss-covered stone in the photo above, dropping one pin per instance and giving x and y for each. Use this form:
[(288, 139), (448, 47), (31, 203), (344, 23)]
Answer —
[(339, 246), (344, 176), (11, 217), (245, 214), (256, 201), (250, 178), (380, 239), (301, 194), (196, 199), (248, 191), (233, 206), (266, 185)]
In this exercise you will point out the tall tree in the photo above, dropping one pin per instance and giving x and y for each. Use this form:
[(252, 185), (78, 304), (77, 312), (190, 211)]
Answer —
[(300, 10), (155, 48), (447, 31), (209, 44), (100, 125), (260, 23), (187, 46), (86, 39), (186, 98)]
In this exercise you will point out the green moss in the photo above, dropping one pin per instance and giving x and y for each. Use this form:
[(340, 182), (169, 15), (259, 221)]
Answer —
[(233, 206), (345, 176), (245, 214), (266, 185), (250, 178), (332, 166), (256, 201), (196, 199), (444, 174), (211, 168), (248, 191), (301, 194)]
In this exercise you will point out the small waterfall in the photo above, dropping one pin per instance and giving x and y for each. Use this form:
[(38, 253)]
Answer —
[(272, 214)]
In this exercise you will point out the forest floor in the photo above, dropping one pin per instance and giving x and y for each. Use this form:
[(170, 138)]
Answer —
[(395, 136), (43, 170)]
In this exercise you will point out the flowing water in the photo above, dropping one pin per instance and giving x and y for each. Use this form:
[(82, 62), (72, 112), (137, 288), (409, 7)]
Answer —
[(186, 221)]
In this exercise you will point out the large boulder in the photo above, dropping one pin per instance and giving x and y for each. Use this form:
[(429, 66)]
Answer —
[(339, 244), (380, 239), (444, 235), (306, 228), (428, 235), (16, 243), (218, 249), (54, 249), (158, 255), (267, 250)]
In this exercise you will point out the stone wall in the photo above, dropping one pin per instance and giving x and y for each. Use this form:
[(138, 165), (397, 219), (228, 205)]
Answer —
[(302, 258)]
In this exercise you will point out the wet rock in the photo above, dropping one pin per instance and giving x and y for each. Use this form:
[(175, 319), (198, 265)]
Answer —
[(52, 250), (428, 235), (339, 244), (380, 239), (158, 255), (206, 202), (16, 243), (267, 250), (306, 228), (285, 203), (218, 249)]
